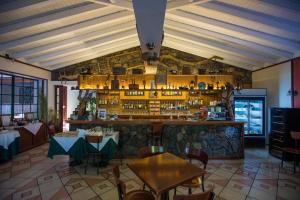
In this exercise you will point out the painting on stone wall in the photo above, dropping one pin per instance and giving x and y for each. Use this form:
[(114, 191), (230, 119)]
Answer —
[(171, 61)]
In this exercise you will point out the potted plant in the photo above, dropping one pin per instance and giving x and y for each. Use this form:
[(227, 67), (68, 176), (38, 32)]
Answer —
[(92, 107)]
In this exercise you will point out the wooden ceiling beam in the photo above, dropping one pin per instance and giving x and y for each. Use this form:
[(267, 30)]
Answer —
[(85, 46), (210, 34), (77, 39), (116, 16)]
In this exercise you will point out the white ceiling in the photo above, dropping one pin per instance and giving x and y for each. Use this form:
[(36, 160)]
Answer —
[(52, 34)]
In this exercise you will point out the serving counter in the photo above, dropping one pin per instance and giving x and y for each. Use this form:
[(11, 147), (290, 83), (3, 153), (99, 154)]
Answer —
[(220, 139)]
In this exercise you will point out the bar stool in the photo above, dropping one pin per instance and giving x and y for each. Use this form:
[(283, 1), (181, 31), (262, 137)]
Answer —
[(132, 195), (148, 151), (91, 152), (156, 135), (295, 151)]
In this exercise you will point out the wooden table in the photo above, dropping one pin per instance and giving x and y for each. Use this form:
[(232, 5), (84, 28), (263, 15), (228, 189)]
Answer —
[(164, 172)]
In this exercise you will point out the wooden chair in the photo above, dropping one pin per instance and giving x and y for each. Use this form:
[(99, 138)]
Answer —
[(51, 129), (94, 154), (120, 147), (209, 195), (295, 151), (150, 151), (199, 155), (132, 195)]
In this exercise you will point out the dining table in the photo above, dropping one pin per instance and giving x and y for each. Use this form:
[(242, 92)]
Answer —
[(164, 172), (9, 144), (73, 143)]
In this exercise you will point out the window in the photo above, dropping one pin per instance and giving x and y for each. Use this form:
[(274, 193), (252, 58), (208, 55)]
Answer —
[(20, 96), (6, 94)]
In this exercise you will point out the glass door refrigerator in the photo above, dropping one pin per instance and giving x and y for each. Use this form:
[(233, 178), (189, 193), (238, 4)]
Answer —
[(250, 108)]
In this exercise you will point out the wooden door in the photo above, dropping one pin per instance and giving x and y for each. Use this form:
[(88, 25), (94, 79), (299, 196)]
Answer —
[(296, 82), (61, 105)]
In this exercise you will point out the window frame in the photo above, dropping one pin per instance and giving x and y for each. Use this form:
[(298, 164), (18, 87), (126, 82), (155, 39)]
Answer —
[(34, 93)]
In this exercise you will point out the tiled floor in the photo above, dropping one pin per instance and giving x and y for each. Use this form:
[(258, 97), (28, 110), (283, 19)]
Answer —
[(31, 175)]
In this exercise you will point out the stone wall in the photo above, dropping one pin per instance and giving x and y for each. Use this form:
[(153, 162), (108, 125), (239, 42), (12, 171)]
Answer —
[(170, 59)]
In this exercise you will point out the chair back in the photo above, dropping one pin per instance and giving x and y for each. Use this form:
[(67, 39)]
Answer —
[(208, 195), (197, 154), (94, 139), (295, 135), (150, 151), (120, 184), (5, 120), (157, 128), (51, 129)]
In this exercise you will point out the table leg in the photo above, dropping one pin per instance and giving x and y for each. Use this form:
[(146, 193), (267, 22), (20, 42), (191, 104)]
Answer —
[(74, 162)]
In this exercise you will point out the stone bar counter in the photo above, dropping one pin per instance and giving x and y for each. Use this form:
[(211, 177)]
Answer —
[(220, 139)]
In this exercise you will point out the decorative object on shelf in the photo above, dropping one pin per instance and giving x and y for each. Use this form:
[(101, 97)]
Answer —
[(153, 94), (137, 71), (144, 84), (152, 84), (115, 83), (202, 71), (218, 85), (173, 71), (210, 86), (201, 86), (133, 86), (161, 79), (123, 84), (192, 84), (118, 70)]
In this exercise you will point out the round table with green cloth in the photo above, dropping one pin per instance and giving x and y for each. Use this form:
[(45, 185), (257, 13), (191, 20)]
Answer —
[(79, 149)]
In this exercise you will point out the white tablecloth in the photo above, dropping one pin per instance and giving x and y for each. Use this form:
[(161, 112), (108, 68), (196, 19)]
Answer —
[(7, 137), (67, 142), (33, 127)]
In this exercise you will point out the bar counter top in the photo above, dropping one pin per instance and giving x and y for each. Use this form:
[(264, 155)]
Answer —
[(150, 121)]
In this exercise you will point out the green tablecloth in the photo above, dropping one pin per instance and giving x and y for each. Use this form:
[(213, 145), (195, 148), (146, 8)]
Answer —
[(78, 151), (13, 149)]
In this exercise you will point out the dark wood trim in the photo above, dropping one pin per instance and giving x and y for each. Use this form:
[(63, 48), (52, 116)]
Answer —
[(292, 82), (19, 61), (276, 64), (23, 75)]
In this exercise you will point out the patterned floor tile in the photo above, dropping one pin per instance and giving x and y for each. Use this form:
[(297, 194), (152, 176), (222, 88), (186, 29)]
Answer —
[(102, 187), (229, 194), (47, 178), (238, 187), (27, 194), (56, 194), (86, 194), (267, 185), (75, 186), (259, 194), (288, 190)]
